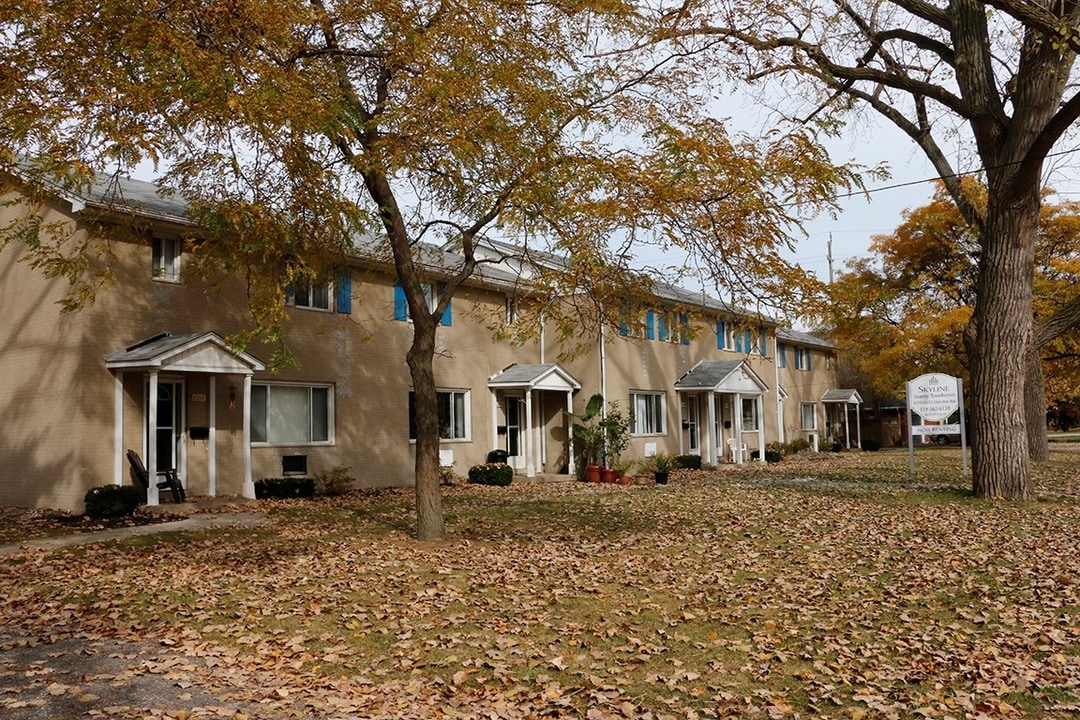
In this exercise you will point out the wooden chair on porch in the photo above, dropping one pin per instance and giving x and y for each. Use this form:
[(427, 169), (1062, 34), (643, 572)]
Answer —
[(142, 477)]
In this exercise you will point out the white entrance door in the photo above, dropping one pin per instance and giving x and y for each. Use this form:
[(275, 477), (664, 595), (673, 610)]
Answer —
[(168, 441), (515, 413), (693, 425)]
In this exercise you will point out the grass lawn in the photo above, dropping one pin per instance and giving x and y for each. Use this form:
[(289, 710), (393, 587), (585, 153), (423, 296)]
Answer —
[(837, 586)]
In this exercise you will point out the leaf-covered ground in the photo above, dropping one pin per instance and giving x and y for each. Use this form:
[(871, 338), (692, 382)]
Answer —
[(835, 586)]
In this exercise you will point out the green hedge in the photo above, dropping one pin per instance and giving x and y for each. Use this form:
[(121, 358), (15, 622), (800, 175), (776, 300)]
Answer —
[(688, 462), (284, 487), (491, 474), (109, 501)]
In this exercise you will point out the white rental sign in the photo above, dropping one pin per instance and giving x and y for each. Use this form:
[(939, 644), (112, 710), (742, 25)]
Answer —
[(934, 397)]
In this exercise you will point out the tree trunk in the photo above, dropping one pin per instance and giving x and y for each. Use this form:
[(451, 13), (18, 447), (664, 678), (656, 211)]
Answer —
[(1035, 408), (420, 358), (1003, 336)]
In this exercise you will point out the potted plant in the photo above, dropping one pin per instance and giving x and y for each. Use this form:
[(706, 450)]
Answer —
[(616, 430), (661, 467), (623, 469), (589, 434)]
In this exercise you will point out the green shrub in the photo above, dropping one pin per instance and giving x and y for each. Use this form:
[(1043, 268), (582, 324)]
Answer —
[(688, 462), (334, 482), (871, 445), (491, 474), (837, 447), (285, 487), (798, 445), (109, 501)]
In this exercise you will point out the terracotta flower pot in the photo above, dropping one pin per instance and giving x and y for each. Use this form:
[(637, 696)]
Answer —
[(592, 472), (607, 475)]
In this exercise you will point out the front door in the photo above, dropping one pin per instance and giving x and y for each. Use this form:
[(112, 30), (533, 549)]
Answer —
[(170, 423), (693, 425), (514, 414)]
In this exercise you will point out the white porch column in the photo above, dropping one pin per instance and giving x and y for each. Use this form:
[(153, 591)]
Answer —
[(118, 428), (494, 419), (570, 466), (151, 441), (678, 418), (249, 484), (761, 428), (737, 428), (530, 458), (211, 455), (858, 423), (847, 429), (712, 434)]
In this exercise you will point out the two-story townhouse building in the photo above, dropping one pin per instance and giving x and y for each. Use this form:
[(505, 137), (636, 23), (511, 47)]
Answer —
[(148, 367)]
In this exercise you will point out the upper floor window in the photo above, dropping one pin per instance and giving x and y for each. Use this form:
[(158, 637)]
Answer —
[(802, 359), (431, 301), (284, 414), (511, 310), (725, 335), (165, 262), (311, 295), (647, 413)]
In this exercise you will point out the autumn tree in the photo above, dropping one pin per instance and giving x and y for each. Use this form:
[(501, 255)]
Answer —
[(905, 310), (995, 76), (292, 129)]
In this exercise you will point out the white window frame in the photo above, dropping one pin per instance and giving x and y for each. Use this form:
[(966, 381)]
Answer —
[(641, 421), (266, 414), (162, 250), (429, 300), (802, 358), (511, 310), (302, 294), (802, 415), (729, 336), (752, 404), (466, 421)]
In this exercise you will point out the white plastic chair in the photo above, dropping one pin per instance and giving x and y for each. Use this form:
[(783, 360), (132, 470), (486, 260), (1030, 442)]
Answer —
[(737, 454)]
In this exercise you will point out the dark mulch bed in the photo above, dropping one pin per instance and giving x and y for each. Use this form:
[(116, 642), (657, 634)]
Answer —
[(18, 524)]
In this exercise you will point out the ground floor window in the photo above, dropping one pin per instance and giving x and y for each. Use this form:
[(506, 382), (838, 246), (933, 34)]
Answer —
[(291, 414), (749, 414), (453, 409), (647, 409), (809, 416)]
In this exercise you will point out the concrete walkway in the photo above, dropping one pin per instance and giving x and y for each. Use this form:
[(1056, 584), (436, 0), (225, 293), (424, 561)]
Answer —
[(201, 521)]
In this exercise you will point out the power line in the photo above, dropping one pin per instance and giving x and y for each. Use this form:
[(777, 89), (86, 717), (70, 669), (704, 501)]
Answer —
[(912, 183)]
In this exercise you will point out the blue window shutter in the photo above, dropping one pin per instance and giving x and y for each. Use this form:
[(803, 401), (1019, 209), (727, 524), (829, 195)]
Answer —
[(684, 328), (661, 323), (721, 334), (447, 318), (748, 342), (624, 328), (401, 305), (344, 292), (650, 323), (781, 350), (808, 364)]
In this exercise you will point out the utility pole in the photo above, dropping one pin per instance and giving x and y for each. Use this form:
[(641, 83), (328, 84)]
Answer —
[(830, 259)]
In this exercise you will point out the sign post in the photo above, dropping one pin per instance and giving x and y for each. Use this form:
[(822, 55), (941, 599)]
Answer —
[(935, 397)]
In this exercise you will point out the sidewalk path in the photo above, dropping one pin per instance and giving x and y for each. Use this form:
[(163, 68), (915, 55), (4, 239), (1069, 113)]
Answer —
[(202, 521)]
